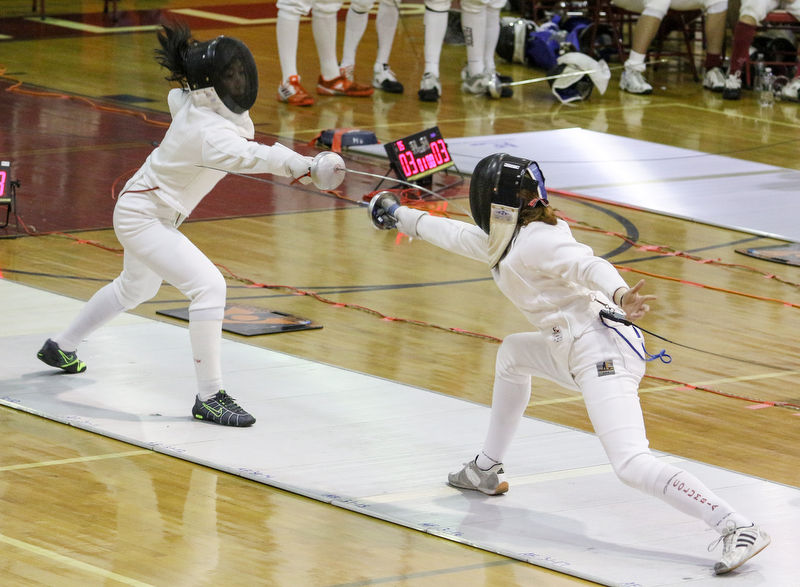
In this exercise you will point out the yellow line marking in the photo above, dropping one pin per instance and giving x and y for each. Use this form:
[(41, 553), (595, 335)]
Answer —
[(226, 18), (243, 21), (674, 386), (90, 28), (60, 558), (445, 490), (130, 453)]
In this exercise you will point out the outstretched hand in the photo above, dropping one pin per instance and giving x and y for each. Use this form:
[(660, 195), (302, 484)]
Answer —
[(634, 304)]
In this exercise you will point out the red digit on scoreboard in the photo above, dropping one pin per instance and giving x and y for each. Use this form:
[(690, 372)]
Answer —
[(436, 154), (404, 164), (411, 163), (2, 183), (440, 148)]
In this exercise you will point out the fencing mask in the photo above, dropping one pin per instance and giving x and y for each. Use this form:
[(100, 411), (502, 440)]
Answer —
[(514, 33), (494, 199), (579, 75), (227, 65)]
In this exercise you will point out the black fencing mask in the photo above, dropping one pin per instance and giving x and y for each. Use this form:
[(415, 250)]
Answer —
[(494, 197), (227, 65)]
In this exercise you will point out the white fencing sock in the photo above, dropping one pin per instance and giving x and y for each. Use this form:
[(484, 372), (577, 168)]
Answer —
[(355, 25), (323, 25), (386, 27), (101, 307), (206, 338), (509, 401), (435, 30), (287, 32)]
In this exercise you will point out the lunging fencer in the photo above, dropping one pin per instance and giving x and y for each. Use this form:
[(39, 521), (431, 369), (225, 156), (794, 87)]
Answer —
[(561, 287), (210, 128)]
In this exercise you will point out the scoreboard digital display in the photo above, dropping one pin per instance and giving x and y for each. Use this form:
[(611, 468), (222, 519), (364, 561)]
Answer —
[(419, 155)]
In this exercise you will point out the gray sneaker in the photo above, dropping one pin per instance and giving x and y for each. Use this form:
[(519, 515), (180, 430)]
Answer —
[(738, 546), (475, 84), (490, 482)]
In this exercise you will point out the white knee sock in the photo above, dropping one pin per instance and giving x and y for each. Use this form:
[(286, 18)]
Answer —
[(287, 31), (101, 307), (688, 494), (355, 25), (323, 26), (206, 338), (435, 30), (385, 27), (509, 401), (492, 35), (474, 26)]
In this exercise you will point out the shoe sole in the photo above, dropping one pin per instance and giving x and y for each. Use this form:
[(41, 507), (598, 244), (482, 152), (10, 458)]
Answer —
[(218, 423), (645, 93), (308, 101), (389, 87), (359, 94), (71, 369), (499, 490)]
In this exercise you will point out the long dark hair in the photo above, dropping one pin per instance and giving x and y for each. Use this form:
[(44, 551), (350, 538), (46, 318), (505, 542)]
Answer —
[(175, 41)]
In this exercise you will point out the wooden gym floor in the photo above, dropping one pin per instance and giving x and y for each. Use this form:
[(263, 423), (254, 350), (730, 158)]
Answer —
[(69, 495)]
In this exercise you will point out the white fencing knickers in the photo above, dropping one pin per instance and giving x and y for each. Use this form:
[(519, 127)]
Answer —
[(607, 371), (156, 250)]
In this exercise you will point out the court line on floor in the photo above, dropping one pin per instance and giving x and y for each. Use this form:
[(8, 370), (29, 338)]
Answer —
[(60, 558), (446, 490), (433, 573), (130, 453), (674, 386)]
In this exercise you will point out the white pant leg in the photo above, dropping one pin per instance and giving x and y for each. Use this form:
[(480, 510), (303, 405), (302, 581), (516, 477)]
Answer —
[(154, 250), (520, 357), (609, 376)]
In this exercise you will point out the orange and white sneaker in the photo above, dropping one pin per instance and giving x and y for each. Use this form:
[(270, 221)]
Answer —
[(292, 93), (343, 85)]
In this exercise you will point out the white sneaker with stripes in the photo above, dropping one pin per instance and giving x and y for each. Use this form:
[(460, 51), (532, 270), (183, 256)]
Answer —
[(738, 546)]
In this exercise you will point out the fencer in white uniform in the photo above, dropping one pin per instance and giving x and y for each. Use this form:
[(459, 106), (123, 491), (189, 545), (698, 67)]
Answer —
[(560, 286), (210, 128)]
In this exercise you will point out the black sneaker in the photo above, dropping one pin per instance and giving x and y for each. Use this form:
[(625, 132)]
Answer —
[(222, 409), (55, 357)]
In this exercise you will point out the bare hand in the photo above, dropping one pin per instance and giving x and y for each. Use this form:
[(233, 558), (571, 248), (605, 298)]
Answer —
[(635, 304)]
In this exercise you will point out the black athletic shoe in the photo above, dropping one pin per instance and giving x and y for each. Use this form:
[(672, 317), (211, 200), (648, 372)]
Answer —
[(222, 409), (55, 357)]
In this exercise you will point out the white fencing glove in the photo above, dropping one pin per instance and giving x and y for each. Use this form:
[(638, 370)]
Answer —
[(299, 167), (327, 170)]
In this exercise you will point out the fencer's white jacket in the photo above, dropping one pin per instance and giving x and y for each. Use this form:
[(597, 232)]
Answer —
[(204, 132), (554, 280)]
